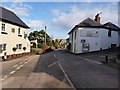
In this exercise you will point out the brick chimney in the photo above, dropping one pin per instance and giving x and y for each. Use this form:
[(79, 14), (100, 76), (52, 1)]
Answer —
[(97, 17)]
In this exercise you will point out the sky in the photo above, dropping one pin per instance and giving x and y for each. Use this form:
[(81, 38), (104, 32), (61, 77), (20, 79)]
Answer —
[(61, 17)]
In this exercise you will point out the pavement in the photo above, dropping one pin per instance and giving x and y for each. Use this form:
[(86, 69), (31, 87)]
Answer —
[(19, 73), (79, 71)]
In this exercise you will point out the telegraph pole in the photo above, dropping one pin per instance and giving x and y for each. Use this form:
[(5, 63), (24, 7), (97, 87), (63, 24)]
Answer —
[(45, 35)]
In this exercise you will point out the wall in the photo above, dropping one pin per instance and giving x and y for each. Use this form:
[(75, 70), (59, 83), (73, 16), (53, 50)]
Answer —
[(91, 37), (97, 38), (11, 39), (107, 41)]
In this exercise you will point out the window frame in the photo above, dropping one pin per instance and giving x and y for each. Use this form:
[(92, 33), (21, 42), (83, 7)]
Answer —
[(3, 27), (13, 30), (3, 47)]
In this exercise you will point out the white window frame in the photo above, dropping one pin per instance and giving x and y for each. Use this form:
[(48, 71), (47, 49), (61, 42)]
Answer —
[(3, 28), (19, 33), (19, 46), (3, 47), (13, 30)]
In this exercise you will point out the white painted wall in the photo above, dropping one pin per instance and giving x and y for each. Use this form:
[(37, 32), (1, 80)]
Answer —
[(107, 41), (99, 39), (11, 39)]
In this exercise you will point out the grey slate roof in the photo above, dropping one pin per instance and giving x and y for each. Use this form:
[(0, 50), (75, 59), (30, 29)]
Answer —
[(112, 26), (10, 17), (90, 23)]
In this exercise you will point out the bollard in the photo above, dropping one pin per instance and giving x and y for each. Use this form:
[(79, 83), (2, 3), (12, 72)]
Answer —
[(106, 57), (5, 56)]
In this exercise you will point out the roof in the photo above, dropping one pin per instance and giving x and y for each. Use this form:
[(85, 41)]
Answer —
[(10, 17), (88, 23), (112, 26)]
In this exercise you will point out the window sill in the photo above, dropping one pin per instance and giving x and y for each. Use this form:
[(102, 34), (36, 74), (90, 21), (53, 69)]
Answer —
[(4, 32), (20, 35)]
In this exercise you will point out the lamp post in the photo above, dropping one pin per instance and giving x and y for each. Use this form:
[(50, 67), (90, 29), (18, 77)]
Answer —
[(45, 35)]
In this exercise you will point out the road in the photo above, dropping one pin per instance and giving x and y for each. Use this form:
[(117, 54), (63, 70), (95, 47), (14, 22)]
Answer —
[(19, 73), (78, 71), (59, 69)]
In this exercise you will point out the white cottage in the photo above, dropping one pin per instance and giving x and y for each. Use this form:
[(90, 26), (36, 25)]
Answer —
[(13, 33), (90, 35)]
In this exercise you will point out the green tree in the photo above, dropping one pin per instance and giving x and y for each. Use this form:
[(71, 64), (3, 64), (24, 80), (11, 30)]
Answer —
[(40, 36)]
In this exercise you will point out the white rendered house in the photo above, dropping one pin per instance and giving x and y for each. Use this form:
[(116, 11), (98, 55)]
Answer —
[(13, 33), (90, 35)]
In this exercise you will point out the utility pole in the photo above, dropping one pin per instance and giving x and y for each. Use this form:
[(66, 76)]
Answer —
[(45, 35)]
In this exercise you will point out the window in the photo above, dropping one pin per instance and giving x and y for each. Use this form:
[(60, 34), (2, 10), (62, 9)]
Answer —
[(3, 47), (25, 35), (109, 33), (18, 30), (3, 27), (13, 30), (75, 35), (19, 46)]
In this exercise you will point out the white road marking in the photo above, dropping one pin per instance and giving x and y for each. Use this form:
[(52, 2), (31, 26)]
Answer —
[(91, 60), (2, 79), (102, 56), (20, 62), (67, 77), (18, 68), (12, 72), (15, 65), (54, 55), (52, 64)]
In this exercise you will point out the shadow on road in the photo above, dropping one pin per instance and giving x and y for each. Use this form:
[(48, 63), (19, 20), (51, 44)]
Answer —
[(47, 63)]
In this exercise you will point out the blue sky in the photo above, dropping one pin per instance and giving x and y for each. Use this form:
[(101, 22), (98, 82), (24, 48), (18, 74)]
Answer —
[(61, 17)]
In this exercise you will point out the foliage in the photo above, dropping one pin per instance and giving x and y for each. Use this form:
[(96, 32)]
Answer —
[(56, 43), (14, 49), (40, 36), (34, 45), (24, 48), (36, 50), (39, 45), (0, 50)]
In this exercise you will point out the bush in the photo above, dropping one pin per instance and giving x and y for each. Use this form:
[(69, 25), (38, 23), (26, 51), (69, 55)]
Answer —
[(24, 48), (36, 51), (14, 49)]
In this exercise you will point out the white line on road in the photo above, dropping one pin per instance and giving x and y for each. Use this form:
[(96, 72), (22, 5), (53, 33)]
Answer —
[(54, 55), (91, 60), (67, 77), (102, 56), (12, 72), (20, 62), (52, 64), (15, 65)]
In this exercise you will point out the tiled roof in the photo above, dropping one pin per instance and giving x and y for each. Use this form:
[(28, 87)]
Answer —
[(112, 26), (89, 22), (10, 17)]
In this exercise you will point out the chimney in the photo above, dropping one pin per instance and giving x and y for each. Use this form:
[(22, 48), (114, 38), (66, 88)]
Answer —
[(97, 17)]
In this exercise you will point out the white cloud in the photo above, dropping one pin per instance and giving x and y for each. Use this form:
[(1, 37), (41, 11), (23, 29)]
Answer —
[(19, 8), (56, 12), (76, 15), (35, 24)]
